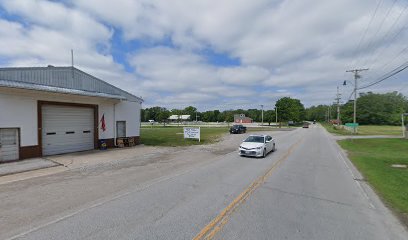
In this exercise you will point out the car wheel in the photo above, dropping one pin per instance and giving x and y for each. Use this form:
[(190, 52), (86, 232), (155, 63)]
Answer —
[(264, 153), (274, 148)]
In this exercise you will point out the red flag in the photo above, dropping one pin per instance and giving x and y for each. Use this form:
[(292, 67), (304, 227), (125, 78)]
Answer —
[(103, 126)]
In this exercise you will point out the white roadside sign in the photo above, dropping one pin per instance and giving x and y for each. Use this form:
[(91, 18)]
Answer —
[(190, 132)]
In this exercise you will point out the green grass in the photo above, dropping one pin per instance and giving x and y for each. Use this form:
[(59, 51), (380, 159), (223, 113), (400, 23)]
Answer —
[(332, 129), (173, 136), (365, 130), (380, 130), (373, 158)]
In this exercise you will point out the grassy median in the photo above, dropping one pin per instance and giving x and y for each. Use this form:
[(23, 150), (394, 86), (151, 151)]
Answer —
[(374, 159)]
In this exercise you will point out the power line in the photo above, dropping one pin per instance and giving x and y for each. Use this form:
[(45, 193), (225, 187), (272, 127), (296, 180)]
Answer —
[(351, 94), (388, 75), (370, 43), (366, 30), (388, 34), (396, 57)]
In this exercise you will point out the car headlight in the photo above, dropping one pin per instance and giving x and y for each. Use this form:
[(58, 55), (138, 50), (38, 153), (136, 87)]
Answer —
[(259, 148)]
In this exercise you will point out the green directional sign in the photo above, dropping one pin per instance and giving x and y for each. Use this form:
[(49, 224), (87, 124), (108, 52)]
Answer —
[(351, 125)]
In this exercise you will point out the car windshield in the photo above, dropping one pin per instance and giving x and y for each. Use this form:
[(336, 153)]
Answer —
[(258, 139)]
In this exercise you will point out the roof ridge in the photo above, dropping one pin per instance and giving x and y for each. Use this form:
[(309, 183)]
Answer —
[(118, 90)]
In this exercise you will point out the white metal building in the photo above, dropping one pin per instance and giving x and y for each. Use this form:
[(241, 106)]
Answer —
[(53, 110), (175, 118)]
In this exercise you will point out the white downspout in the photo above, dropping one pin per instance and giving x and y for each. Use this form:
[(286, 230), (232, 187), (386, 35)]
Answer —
[(114, 125)]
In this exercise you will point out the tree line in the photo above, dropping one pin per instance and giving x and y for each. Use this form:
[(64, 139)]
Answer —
[(289, 109), (372, 108)]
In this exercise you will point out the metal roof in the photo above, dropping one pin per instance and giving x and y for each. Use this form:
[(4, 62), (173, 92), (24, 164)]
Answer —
[(68, 80), (30, 86)]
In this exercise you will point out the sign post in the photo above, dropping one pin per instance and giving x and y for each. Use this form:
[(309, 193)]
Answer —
[(190, 132), (353, 126), (404, 128)]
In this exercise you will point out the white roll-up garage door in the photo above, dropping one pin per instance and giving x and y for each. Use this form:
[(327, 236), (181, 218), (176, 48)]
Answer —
[(67, 129)]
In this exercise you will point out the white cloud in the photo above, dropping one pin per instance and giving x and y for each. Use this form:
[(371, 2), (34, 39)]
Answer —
[(301, 47), (48, 34)]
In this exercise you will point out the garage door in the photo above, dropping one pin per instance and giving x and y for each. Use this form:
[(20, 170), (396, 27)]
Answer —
[(67, 129), (8, 144)]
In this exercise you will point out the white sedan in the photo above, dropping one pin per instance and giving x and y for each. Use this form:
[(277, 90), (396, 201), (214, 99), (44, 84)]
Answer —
[(257, 146)]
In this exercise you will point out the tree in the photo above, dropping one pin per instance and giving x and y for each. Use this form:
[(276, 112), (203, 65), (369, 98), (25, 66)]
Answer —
[(176, 111), (163, 115), (209, 116), (190, 110), (376, 108), (255, 114), (290, 109), (269, 116), (319, 113), (152, 113)]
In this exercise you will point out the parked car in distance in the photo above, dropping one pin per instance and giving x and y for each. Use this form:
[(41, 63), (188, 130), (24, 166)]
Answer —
[(257, 146), (237, 129), (306, 125)]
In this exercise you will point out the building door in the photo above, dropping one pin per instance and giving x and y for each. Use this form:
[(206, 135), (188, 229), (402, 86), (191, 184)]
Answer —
[(67, 129), (121, 129), (9, 144)]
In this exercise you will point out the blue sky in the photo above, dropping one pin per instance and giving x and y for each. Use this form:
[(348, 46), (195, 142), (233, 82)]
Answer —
[(213, 54)]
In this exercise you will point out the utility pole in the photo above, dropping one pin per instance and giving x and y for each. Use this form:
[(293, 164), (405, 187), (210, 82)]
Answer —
[(356, 76), (338, 105), (329, 113), (276, 116), (262, 114)]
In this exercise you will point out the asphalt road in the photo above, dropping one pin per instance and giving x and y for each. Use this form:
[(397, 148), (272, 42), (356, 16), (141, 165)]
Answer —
[(305, 190)]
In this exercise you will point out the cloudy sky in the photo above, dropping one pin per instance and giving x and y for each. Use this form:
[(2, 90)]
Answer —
[(214, 54)]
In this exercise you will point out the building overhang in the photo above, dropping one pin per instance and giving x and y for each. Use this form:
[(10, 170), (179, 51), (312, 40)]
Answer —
[(51, 89)]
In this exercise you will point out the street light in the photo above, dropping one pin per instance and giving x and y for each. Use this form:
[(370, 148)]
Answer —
[(276, 115), (197, 117)]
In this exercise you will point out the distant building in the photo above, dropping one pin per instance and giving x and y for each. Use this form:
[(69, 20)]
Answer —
[(177, 118), (240, 118), (334, 121)]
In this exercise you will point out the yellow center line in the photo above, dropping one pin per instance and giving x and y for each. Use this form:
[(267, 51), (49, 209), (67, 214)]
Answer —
[(209, 231)]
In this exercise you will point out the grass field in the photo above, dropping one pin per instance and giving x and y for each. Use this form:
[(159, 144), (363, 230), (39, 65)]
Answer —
[(373, 158), (173, 136), (380, 130), (366, 130)]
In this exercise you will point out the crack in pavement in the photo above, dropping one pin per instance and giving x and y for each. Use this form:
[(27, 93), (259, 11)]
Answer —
[(307, 196)]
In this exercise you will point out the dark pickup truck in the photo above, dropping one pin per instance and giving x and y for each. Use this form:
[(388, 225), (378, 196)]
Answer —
[(238, 129)]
